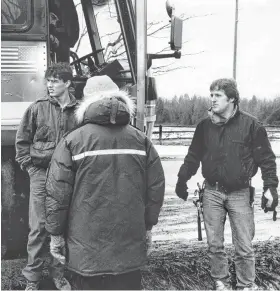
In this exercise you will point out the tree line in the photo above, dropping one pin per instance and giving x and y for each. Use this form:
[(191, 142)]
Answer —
[(186, 110)]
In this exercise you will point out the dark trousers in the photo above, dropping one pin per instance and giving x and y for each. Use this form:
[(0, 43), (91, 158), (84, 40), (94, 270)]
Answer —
[(126, 281), (38, 235)]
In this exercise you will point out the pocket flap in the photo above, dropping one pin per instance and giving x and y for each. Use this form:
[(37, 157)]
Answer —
[(44, 145)]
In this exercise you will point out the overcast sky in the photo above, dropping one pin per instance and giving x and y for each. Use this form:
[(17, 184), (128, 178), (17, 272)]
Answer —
[(209, 41), (258, 56)]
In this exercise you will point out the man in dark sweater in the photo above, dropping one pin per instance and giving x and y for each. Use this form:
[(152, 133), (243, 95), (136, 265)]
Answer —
[(231, 145)]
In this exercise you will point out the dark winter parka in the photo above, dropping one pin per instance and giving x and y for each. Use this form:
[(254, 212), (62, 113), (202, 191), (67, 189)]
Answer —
[(41, 128), (230, 152), (105, 188)]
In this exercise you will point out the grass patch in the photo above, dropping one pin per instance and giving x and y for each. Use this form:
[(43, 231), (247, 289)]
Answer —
[(186, 267), (176, 266)]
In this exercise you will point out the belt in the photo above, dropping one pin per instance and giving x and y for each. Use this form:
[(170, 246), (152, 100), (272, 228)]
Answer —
[(225, 189)]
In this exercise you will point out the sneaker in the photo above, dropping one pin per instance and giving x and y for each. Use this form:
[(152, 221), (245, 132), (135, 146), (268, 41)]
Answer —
[(219, 285), (252, 288), (32, 285), (62, 283)]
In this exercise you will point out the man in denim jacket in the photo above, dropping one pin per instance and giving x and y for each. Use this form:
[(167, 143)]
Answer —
[(43, 124), (231, 145)]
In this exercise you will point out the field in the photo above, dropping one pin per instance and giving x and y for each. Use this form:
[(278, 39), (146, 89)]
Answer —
[(178, 260), (177, 220)]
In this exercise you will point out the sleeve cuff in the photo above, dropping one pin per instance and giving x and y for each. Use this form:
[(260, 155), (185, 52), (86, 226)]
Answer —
[(27, 167)]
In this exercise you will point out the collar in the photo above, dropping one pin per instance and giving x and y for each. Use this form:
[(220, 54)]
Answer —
[(220, 120), (73, 101)]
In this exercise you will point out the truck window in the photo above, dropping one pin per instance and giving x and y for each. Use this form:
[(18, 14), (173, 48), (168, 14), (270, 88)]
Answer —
[(64, 28), (112, 42), (15, 15)]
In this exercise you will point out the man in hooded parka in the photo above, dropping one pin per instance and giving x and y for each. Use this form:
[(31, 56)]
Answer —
[(105, 189)]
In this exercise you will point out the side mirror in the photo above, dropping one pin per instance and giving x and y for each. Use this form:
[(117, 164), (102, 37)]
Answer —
[(169, 7), (176, 33)]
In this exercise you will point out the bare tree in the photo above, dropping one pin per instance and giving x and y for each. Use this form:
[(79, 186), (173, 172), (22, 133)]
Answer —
[(84, 32), (115, 48)]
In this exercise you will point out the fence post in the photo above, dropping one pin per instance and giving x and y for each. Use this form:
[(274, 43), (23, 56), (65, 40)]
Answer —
[(160, 133)]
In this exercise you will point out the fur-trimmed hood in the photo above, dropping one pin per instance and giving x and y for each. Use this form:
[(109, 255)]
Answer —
[(114, 107)]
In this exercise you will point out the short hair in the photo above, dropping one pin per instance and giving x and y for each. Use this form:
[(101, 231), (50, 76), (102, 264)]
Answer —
[(61, 71), (229, 86)]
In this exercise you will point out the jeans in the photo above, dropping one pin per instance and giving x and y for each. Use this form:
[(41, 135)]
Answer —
[(38, 235), (216, 205), (126, 281)]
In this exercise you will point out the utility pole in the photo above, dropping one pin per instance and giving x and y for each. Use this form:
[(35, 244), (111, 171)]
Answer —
[(235, 40), (141, 59)]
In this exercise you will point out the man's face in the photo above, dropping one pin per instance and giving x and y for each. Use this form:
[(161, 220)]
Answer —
[(220, 102), (57, 87)]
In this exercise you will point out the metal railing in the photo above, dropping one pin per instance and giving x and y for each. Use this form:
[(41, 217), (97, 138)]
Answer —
[(171, 132)]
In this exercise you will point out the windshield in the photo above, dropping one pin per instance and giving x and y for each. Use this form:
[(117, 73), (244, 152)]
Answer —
[(15, 15), (111, 37), (109, 32)]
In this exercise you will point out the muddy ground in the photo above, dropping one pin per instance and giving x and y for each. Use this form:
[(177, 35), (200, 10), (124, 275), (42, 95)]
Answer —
[(177, 220)]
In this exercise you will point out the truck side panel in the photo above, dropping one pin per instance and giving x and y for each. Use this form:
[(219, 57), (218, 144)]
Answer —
[(23, 67)]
